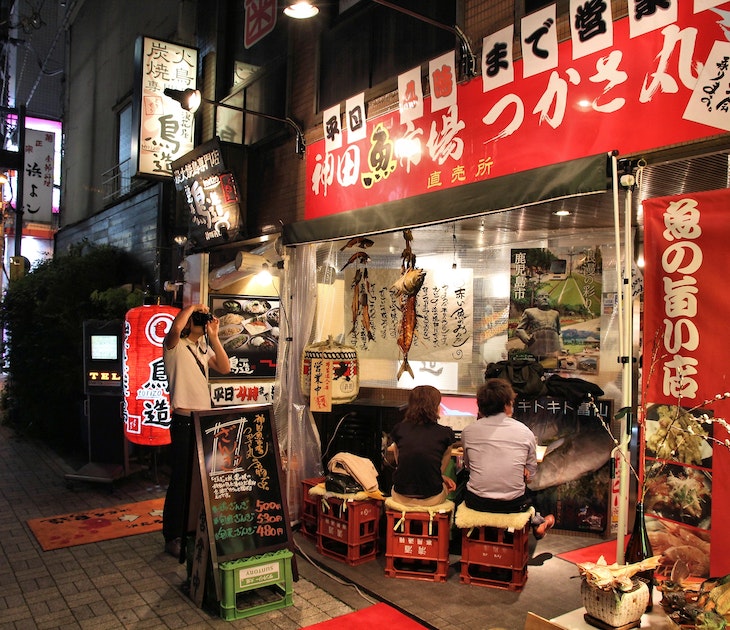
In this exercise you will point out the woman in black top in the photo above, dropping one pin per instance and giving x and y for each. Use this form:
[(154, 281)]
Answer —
[(422, 450)]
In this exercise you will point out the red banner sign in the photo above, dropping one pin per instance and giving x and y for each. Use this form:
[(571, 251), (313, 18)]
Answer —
[(685, 366), (147, 414), (631, 98)]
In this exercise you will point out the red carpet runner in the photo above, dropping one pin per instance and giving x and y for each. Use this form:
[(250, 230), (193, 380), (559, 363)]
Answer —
[(376, 616), (592, 553)]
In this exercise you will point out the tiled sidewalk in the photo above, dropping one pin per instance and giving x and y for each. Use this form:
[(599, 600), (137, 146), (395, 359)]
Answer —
[(123, 583)]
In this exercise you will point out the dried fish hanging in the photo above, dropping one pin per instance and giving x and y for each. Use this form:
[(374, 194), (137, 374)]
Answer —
[(405, 290), (361, 288)]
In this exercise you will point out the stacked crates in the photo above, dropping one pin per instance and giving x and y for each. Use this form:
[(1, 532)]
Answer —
[(256, 585), (417, 545), (310, 509), (347, 530), (493, 556)]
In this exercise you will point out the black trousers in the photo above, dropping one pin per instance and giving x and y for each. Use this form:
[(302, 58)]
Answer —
[(177, 499), (511, 506)]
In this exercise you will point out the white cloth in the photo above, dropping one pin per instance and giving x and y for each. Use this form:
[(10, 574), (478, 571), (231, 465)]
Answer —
[(188, 384), (359, 468)]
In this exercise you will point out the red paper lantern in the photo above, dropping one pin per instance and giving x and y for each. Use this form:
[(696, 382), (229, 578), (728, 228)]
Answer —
[(147, 413)]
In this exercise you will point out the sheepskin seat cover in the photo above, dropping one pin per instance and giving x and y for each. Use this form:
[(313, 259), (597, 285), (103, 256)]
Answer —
[(467, 518), (320, 491), (392, 504)]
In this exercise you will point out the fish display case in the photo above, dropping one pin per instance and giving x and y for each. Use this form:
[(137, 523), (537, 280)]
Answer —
[(573, 481)]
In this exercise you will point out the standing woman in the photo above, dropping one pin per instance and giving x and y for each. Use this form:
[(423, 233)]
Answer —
[(191, 345), (422, 450)]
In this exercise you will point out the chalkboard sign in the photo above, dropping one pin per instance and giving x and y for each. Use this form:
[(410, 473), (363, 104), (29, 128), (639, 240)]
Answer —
[(239, 462)]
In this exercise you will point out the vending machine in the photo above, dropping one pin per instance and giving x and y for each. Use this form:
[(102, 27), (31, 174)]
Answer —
[(103, 413)]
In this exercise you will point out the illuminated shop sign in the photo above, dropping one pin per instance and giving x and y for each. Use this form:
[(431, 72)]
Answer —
[(210, 194), (165, 131), (556, 104)]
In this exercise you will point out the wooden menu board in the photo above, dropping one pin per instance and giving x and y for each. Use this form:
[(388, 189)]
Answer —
[(245, 506)]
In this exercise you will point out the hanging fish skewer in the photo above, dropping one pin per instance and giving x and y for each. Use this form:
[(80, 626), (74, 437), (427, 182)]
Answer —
[(361, 288), (358, 257), (405, 290), (355, 299)]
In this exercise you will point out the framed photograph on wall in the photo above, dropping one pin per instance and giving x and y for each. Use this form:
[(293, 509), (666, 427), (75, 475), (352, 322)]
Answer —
[(249, 332)]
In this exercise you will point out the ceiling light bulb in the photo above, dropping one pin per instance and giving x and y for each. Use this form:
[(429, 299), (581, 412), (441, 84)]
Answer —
[(301, 10)]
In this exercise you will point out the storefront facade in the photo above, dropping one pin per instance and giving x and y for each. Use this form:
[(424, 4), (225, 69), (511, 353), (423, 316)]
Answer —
[(479, 201), (535, 133)]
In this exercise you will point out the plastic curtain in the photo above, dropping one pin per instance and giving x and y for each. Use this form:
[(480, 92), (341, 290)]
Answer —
[(297, 435)]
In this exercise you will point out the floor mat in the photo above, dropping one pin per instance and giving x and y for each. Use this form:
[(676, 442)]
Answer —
[(80, 528), (376, 616), (592, 553)]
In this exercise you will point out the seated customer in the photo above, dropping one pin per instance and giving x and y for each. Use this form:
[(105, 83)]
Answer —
[(500, 453), (422, 450)]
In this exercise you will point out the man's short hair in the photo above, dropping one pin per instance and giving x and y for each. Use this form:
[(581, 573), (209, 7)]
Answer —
[(494, 395)]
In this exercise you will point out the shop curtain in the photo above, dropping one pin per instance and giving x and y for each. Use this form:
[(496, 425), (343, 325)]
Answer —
[(296, 432)]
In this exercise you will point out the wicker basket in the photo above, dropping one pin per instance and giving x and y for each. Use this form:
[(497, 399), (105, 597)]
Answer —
[(615, 608)]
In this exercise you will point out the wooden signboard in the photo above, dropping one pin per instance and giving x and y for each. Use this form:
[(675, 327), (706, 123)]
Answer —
[(245, 506)]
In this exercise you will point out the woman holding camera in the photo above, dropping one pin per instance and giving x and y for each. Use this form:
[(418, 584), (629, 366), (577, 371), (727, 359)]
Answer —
[(190, 346)]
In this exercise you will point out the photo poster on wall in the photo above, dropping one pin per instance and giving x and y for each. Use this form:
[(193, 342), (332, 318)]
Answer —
[(555, 307), (240, 467), (249, 332), (678, 482), (573, 480)]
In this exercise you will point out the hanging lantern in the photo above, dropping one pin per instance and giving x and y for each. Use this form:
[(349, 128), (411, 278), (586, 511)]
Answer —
[(147, 413), (329, 374)]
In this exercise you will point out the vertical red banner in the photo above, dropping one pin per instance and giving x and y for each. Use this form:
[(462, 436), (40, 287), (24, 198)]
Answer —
[(147, 413), (685, 373)]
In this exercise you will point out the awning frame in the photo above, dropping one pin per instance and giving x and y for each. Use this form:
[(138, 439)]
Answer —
[(547, 183)]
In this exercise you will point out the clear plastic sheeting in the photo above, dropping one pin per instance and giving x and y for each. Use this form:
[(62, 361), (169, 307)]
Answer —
[(296, 432)]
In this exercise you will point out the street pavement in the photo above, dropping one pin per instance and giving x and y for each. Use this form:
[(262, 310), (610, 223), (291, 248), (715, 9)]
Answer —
[(123, 583)]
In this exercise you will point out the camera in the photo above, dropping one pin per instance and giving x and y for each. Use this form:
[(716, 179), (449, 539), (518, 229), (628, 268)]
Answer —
[(200, 318)]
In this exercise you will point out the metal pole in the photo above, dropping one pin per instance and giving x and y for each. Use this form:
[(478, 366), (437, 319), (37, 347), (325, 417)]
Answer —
[(628, 351), (624, 437), (21, 177)]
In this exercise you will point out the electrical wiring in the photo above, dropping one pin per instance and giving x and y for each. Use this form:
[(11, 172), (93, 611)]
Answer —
[(332, 576), (334, 433)]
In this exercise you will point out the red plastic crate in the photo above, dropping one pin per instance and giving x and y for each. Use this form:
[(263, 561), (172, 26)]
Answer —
[(310, 508), (418, 549), (348, 530), (496, 557)]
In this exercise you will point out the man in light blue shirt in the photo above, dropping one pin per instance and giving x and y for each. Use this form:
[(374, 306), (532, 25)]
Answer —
[(501, 455)]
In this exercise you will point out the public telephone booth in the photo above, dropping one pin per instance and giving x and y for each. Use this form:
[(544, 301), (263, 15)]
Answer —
[(103, 414)]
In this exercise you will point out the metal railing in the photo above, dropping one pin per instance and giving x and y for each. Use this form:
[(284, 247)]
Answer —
[(119, 181)]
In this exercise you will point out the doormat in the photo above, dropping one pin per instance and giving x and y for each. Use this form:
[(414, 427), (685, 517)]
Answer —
[(592, 553), (80, 528), (376, 616)]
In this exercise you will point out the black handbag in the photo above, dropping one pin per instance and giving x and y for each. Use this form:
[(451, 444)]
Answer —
[(525, 375), (341, 484)]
